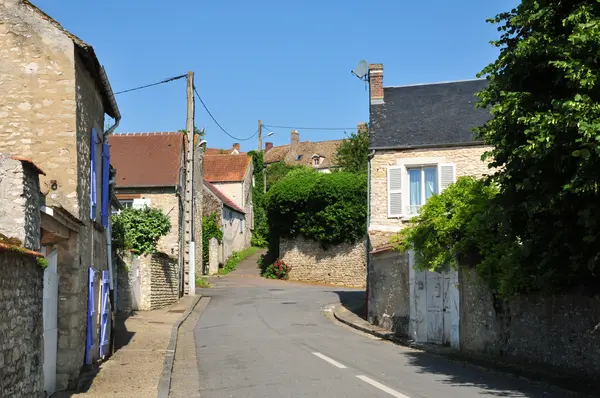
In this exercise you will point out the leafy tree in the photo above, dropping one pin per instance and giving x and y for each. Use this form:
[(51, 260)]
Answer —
[(197, 131), (279, 170), (210, 229), (139, 230), (261, 230), (544, 93), (353, 153)]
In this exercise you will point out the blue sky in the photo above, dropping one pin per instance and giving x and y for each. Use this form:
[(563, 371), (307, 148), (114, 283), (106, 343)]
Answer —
[(287, 63)]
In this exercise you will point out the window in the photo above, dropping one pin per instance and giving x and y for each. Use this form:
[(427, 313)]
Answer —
[(315, 160), (126, 203), (409, 186)]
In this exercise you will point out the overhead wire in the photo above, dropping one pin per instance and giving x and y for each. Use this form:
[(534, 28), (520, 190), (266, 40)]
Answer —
[(219, 124), (170, 79), (311, 128)]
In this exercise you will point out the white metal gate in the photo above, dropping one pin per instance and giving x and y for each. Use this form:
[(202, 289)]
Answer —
[(435, 306), (50, 315)]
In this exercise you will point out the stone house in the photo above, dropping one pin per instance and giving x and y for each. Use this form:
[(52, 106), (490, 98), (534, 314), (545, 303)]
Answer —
[(319, 155), (232, 176), (55, 95), (421, 139), (231, 218)]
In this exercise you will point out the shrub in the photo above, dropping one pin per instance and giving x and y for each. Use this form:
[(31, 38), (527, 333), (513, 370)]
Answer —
[(278, 270), (327, 208), (210, 229), (138, 230)]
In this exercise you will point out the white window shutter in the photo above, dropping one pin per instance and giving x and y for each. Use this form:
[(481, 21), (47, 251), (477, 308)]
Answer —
[(395, 193), (446, 175)]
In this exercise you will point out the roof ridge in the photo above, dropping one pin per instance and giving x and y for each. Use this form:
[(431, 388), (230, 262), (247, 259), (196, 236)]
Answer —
[(434, 83)]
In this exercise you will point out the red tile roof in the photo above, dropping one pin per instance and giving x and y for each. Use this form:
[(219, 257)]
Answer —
[(226, 168), (146, 159), (223, 198)]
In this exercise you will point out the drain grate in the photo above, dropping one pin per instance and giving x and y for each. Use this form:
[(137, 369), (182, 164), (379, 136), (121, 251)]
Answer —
[(177, 311), (289, 302)]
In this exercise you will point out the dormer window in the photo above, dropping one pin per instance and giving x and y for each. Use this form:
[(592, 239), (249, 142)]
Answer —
[(316, 159)]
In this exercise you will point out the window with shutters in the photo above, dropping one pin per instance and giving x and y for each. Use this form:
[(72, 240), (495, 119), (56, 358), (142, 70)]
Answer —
[(409, 186)]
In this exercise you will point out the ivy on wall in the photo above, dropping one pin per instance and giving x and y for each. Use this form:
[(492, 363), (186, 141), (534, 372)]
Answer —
[(138, 230)]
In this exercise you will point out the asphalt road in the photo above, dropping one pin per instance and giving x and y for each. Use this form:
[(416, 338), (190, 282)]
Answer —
[(260, 338)]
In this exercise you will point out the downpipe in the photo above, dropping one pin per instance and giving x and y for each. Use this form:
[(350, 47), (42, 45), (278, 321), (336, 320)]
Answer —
[(367, 233)]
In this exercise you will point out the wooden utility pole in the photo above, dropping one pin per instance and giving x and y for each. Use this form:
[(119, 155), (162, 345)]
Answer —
[(188, 274), (197, 188), (259, 136)]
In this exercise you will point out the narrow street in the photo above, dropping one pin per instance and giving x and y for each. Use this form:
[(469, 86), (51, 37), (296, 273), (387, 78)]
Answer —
[(262, 338)]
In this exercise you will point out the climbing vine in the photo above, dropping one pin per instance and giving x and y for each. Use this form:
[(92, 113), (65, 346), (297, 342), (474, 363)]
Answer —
[(138, 230)]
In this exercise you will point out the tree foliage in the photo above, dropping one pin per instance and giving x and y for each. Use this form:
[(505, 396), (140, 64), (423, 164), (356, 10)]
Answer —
[(210, 229), (353, 153), (260, 232), (327, 208), (278, 170), (544, 94), (138, 230)]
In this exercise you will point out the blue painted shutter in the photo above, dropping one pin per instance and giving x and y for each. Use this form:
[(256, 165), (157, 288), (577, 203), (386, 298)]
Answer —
[(89, 341), (93, 175), (105, 179), (104, 314)]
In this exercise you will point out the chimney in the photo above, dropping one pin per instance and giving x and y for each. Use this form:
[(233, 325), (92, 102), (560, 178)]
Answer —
[(236, 147), (376, 84), (268, 146), (294, 140), (361, 127)]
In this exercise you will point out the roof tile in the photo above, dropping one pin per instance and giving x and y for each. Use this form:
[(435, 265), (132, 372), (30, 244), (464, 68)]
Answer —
[(226, 168)]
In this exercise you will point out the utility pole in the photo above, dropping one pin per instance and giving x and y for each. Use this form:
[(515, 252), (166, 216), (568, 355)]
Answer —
[(259, 135), (189, 251), (197, 188)]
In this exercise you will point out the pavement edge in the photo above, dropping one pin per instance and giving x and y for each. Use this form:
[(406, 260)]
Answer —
[(164, 383), (551, 380)]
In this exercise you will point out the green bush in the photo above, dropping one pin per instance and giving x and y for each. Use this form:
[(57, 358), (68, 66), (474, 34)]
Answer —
[(278, 270), (327, 208), (138, 230), (261, 230), (210, 229)]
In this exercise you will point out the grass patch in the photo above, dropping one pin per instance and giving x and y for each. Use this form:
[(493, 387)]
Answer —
[(202, 282), (236, 258)]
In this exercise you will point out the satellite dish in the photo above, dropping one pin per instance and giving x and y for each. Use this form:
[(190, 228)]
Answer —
[(362, 69)]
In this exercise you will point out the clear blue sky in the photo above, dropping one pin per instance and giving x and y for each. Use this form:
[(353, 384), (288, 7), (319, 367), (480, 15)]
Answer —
[(287, 63)]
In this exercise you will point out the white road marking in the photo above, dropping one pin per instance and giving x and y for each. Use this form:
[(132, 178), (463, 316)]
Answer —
[(376, 384), (331, 361)]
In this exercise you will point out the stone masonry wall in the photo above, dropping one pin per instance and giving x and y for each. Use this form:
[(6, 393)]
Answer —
[(21, 325), (37, 105), (210, 204), (20, 202), (468, 163), (164, 279), (558, 333), (387, 289), (341, 265)]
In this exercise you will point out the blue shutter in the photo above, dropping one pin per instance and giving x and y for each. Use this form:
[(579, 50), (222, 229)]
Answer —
[(93, 175), (89, 341), (104, 314), (105, 179)]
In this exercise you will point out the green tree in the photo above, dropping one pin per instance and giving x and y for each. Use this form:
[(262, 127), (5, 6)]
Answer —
[(544, 94), (139, 230), (260, 232), (277, 171), (353, 153)]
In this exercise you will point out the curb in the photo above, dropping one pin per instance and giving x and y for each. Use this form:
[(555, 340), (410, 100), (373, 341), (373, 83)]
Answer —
[(164, 383), (551, 380)]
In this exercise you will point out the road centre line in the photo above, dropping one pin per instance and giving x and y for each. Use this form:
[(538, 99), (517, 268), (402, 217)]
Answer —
[(331, 361), (380, 386)]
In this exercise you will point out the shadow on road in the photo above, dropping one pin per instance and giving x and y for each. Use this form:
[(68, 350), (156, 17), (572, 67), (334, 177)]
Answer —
[(459, 375), (354, 301)]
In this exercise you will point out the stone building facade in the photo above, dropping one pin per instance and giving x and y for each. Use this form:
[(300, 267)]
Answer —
[(339, 265), (55, 97)]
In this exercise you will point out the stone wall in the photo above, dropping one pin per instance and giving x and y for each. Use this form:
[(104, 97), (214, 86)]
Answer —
[(164, 280), (210, 204), (557, 333), (388, 302), (381, 227), (341, 265), (21, 325), (20, 202)]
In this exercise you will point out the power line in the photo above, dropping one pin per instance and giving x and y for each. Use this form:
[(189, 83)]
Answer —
[(153, 84), (218, 124), (311, 128)]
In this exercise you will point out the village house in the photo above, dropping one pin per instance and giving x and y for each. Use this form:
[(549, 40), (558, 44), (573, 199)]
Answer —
[(232, 176), (421, 140), (231, 218), (55, 95), (319, 155)]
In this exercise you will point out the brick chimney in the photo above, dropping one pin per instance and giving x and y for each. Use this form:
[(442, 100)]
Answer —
[(236, 147), (294, 140), (376, 84), (268, 146)]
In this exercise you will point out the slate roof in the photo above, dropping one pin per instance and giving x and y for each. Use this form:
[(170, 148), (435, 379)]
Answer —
[(223, 198), (306, 150), (226, 168), (427, 114), (146, 159)]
